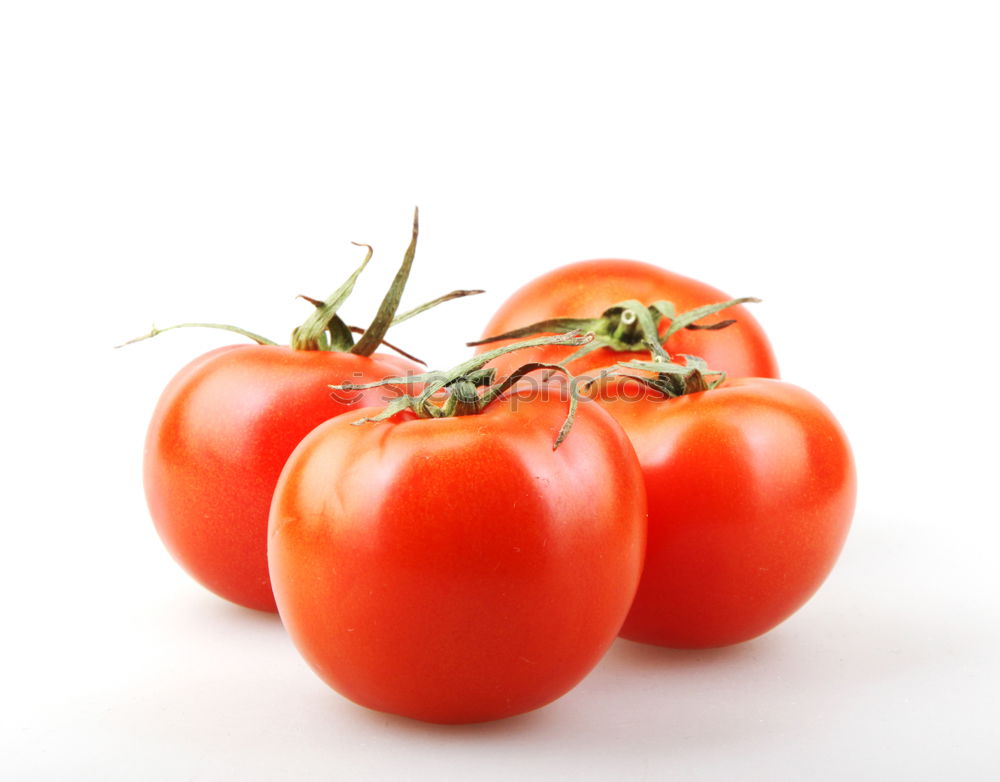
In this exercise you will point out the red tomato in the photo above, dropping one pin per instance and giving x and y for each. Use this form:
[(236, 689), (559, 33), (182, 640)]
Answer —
[(586, 289), (751, 490), (458, 569), (219, 437)]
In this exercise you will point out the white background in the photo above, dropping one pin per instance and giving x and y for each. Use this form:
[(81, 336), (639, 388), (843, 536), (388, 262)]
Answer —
[(163, 162)]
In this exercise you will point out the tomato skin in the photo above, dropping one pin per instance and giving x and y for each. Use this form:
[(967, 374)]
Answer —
[(587, 288), (458, 569), (751, 488), (219, 436)]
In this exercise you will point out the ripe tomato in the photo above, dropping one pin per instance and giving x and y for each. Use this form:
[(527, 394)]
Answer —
[(226, 423), (458, 569), (586, 289), (219, 436), (751, 490)]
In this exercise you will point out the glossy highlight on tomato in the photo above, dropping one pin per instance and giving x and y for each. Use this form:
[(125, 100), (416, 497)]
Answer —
[(458, 569)]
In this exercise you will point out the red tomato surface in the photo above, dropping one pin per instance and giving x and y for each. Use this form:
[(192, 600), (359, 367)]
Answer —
[(458, 569), (586, 289), (221, 433), (751, 490)]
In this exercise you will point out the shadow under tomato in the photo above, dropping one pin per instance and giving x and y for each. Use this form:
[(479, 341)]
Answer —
[(638, 656), (212, 614), (531, 722), (627, 660)]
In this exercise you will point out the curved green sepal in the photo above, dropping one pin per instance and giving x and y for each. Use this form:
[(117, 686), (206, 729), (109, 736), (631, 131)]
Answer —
[(459, 294), (686, 320), (388, 344), (225, 327), (322, 329), (373, 335), (596, 344), (534, 366), (554, 325), (464, 381)]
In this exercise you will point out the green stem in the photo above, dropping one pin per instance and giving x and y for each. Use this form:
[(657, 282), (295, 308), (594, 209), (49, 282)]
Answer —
[(464, 399), (633, 320)]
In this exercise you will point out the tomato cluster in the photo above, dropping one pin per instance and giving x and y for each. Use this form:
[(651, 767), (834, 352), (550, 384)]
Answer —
[(617, 458), (750, 485)]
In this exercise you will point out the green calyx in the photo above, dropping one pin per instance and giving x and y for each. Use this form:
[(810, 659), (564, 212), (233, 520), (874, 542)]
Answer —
[(668, 377), (325, 330), (632, 327), (627, 327), (470, 387)]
